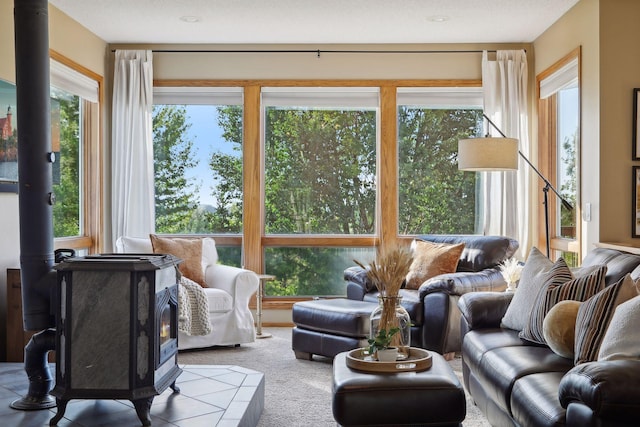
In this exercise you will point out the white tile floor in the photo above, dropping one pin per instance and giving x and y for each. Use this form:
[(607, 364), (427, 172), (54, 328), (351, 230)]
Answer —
[(210, 395)]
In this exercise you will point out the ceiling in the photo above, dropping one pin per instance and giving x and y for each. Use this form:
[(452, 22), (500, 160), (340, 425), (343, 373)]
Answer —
[(315, 21)]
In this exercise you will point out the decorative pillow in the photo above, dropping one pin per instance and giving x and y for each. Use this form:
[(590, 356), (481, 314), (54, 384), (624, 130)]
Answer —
[(430, 260), (189, 250), (559, 327), (594, 317), (622, 339), (532, 278), (560, 287)]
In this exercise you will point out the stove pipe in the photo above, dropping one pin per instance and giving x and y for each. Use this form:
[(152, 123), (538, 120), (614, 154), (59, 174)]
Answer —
[(35, 190)]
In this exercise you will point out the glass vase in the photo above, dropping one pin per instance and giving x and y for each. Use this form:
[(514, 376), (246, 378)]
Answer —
[(390, 314)]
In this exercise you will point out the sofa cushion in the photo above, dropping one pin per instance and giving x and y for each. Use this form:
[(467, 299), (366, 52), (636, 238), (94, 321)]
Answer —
[(477, 342), (432, 259), (142, 245), (559, 328), (622, 339), (557, 289), (534, 400), (189, 250), (500, 368), (532, 278), (594, 316), (480, 252)]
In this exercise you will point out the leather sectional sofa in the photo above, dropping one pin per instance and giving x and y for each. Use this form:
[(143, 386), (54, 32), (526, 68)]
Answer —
[(515, 383), (433, 307)]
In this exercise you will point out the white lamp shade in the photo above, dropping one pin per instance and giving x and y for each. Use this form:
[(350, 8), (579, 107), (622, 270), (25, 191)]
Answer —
[(488, 154)]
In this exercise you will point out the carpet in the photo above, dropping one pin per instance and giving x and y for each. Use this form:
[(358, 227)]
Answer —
[(297, 392)]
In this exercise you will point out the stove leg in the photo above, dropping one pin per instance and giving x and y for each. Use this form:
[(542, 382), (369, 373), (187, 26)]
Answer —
[(174, 387), (62, 407), (143, 409)]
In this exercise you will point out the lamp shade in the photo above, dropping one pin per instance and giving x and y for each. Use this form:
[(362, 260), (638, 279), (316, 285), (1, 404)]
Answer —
[(488, 154)]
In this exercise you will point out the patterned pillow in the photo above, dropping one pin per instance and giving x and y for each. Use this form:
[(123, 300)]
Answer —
[(559, 287), (532, 278), (595, 315), (432, 259), (188, 250)]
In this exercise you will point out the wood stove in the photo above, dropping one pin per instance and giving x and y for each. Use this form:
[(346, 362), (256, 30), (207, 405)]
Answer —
[(117, 329)]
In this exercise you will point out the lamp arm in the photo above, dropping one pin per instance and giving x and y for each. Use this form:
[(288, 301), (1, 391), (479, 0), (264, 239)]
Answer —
[(565, 203)]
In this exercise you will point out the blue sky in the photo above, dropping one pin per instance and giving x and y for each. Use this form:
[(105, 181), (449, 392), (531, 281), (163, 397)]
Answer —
[(207, 139)]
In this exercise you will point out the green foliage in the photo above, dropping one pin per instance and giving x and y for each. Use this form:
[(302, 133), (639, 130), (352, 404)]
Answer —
[(382, 341), (320, 168), (431, 187), (175, 200), (66, 210)]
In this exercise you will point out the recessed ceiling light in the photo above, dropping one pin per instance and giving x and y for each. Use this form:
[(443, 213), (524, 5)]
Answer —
[(438, 18), (190, 19)]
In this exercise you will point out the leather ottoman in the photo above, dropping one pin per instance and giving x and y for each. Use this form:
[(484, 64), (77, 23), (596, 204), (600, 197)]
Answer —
[(433, 397), (329, 326)]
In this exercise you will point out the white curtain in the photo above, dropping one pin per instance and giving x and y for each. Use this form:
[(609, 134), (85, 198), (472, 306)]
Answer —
[(505, 195), (133, 212)]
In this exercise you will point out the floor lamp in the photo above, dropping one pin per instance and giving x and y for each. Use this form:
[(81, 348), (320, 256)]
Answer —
[(501, 154)]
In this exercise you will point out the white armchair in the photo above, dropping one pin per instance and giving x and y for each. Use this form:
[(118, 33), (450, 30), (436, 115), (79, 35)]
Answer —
[(228, 293)]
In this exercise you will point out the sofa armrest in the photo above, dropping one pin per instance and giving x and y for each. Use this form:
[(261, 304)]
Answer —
[(610, 389), (460, 283), (241, 284), (358, 283), (484, 309)]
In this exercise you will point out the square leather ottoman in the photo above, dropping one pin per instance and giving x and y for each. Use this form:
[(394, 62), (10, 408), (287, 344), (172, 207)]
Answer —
[(433, 397), (329, 326)]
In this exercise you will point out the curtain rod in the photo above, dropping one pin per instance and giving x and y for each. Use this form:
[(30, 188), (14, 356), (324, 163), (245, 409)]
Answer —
[(318, 52)]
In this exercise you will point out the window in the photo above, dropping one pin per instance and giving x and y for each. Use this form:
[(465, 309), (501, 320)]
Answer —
[(559, 130), (299, 180), (430, 186), (197, 140), (319, 179), (75, 141)]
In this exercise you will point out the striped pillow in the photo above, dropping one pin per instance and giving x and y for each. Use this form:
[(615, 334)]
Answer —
[(594, 316), (559, 288)]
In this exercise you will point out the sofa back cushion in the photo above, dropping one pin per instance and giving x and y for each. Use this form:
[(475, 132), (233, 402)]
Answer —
[(142, 245), (480, 252), (618, 263)]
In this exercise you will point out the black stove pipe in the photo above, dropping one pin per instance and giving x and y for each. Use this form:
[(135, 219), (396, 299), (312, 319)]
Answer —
[(31, 22)]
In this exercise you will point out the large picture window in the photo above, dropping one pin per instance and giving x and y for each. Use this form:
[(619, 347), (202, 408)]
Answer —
[(319, 179), (299, 179), (431, 188), (197, 143)]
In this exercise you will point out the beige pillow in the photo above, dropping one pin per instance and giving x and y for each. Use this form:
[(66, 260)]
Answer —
[(622, 339), (188, 250), (559, 327), (432, 259)]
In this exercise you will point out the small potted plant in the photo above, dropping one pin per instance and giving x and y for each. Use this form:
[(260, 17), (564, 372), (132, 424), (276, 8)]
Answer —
[(380, 346)]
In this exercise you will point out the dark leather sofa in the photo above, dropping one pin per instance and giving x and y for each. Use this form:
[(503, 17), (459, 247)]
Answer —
[(515, 383), (433, 307)]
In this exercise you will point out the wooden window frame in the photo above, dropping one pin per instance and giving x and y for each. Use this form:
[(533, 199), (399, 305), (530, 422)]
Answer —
[(253, 238), (547, 161), (92, 197)]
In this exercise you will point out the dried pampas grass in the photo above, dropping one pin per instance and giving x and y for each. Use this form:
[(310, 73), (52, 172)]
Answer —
[(389, 270)]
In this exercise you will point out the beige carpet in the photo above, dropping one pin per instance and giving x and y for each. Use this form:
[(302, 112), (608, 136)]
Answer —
[(297, 392)]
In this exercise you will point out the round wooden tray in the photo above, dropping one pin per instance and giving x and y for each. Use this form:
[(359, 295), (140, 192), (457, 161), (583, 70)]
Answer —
[(419, 360)]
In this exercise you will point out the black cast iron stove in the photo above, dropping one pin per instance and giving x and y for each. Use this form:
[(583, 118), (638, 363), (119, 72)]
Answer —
[(116, 329)]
